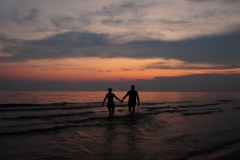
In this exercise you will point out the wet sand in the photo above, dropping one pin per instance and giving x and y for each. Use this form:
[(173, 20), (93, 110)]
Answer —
[(231, 152)]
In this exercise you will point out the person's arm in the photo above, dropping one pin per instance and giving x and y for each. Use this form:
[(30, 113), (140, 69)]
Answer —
[(104, 100), (138, 99), (117, 98), (125, 96)]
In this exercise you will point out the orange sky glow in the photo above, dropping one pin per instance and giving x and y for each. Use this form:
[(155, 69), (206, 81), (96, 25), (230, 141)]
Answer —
[(98, 69)]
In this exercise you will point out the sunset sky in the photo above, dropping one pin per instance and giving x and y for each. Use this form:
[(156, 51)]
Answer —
[(158, 45)]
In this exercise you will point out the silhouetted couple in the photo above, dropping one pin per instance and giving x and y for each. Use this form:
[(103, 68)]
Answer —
[(133, 95)]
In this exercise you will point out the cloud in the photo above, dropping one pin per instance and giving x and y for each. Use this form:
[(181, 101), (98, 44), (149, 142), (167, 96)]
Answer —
[(200, 83), (66, 45), (130, 20), (214, 52), (172, 22), (5, 55), (218, 1), (181, 65), (31, 16), (112, 21)]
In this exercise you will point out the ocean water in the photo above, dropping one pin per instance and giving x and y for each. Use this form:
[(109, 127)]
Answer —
[(74, 125)]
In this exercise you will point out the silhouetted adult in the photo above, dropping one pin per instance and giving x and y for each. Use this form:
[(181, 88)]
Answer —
[(132, 99), (110, 103)]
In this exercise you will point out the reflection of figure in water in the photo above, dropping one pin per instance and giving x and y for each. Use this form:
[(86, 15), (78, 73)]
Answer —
[(132, 99), (110, 103)]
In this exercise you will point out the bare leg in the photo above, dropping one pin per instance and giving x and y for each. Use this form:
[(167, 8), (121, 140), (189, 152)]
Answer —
[(129, 108), (113, 110), (109, 110), (133, 111)]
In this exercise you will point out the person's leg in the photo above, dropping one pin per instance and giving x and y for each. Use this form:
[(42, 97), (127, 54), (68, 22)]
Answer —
[(113, 110), (129, 108), (133, 111), (109, 110)]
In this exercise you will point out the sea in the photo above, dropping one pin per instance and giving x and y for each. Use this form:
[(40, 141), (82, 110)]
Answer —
[(74, 125)]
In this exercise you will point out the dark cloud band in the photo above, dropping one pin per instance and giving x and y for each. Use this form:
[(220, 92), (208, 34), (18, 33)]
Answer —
[(221, 49)]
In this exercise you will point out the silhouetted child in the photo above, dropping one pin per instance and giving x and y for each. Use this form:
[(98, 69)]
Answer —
[(110, 103), (132, 100)]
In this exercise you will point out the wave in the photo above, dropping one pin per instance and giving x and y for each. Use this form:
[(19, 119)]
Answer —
[(153, 103), (200, 113), (226, 100), (52, 106), (154, 108), (199, 105), (167, 103), (179, 137), (86, 122), (182, 102), (91, 121), (39, 130), (48, 116), (46, 104), (47, 107), (90, 114), (29, 104)]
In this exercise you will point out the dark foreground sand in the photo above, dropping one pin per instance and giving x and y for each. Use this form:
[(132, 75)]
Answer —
[(231, 152)]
